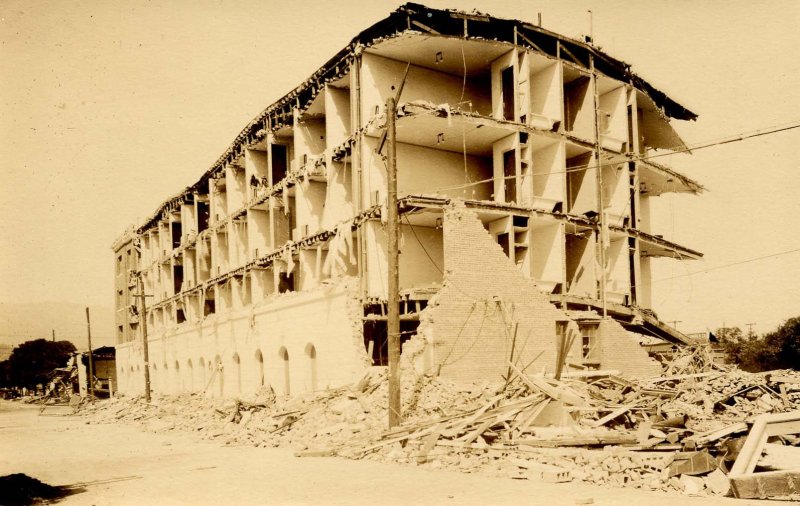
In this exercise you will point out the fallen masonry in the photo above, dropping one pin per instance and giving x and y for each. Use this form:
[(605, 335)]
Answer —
[(679, 433)]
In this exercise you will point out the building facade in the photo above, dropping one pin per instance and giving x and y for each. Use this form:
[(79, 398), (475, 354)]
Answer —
[(524, 195)]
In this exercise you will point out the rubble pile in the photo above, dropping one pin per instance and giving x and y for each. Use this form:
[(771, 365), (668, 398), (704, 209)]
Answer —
[(677, 432)]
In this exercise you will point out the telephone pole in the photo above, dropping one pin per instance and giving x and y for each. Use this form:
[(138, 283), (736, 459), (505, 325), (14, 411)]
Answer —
[(145, 350), (393, 319), (54, 335), (91, 364), (750, 329)]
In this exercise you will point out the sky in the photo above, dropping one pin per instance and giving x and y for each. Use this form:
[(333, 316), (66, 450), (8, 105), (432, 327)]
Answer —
[(107, 108)]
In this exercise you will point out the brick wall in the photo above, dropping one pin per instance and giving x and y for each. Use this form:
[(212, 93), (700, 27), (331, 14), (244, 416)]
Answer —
[(466, 332), (620, 350)]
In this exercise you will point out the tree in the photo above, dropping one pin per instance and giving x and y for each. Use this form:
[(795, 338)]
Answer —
[(779, 349), (733, 342), (782, 346), (31, 361)]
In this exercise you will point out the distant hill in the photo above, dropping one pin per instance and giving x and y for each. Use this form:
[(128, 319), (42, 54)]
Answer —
[(23, 322)]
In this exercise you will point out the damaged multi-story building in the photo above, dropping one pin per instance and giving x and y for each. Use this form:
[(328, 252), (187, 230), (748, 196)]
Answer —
[(524, 185)]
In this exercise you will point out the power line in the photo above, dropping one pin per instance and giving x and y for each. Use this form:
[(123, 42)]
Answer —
[(728, 140), (749, 260)]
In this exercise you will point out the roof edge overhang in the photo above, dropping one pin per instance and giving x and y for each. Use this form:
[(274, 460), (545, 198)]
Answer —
[(438, 22)]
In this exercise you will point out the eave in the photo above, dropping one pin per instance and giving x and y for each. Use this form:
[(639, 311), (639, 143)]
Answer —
[(412, 17)]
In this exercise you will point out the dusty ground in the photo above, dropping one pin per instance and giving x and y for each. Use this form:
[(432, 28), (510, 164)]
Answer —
[(120, 464)]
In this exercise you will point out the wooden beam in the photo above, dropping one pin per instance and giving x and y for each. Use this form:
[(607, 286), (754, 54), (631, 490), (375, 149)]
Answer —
[(424, 27), (530, 42), (572, 56)]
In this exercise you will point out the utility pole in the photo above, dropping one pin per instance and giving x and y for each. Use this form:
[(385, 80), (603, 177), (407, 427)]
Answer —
[(601, 224), (91, 362), (750, 329), (675, 323), (393, 319), (145, 350), (54, 335)]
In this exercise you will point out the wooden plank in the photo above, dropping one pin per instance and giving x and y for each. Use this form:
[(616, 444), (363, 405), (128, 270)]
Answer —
[(579, 441), (428, 444), (424, 27), (591, 373), (765, 485), (569, 53), (711, 436), (457, 427), (784, 379), (764, 427), (662, 379), (617, 412), (530, 42), (558, 393), (472, 436)]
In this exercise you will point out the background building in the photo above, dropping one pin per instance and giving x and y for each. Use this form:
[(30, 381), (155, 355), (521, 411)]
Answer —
[(525, 182)]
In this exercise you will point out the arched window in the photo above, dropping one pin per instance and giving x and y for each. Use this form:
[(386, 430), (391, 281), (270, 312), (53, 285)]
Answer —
[(190, 373), (178, 379), (237, 373), (311, 358), (201, 372), (165, 379), (284, 356), (219, 374), (260, 367)]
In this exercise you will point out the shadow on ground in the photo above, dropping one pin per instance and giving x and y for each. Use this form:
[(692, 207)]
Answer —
[(20, 490)]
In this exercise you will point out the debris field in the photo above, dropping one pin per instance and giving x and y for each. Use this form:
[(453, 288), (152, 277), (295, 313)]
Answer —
[(677, 432)]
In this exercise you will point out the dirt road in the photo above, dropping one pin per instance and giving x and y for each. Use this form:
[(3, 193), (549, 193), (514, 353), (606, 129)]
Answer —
[(122, 465)]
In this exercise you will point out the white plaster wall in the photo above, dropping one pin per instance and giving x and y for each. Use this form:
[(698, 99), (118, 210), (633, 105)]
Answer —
[(423, 170), (547, 254), (324, 317), (618, 270), (614, 103), (499, 148), (548, 177), (546, 91), (310, 199), (616, 192), (337, 115), (380, 78), (421, 256), (503, 62), (339, 195)]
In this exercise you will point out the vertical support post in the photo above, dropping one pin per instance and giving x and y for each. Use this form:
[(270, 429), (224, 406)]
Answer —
[(603, 231), (393, 320), (54, 335), (145, 350), (91, 362)]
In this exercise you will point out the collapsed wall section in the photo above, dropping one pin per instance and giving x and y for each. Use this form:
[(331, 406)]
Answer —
[(486, 307), (467, 332), (620, 350)]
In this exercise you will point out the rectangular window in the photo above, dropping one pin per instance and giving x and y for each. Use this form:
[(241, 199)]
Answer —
[(280, 162), (510, 175), (508, 93)]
